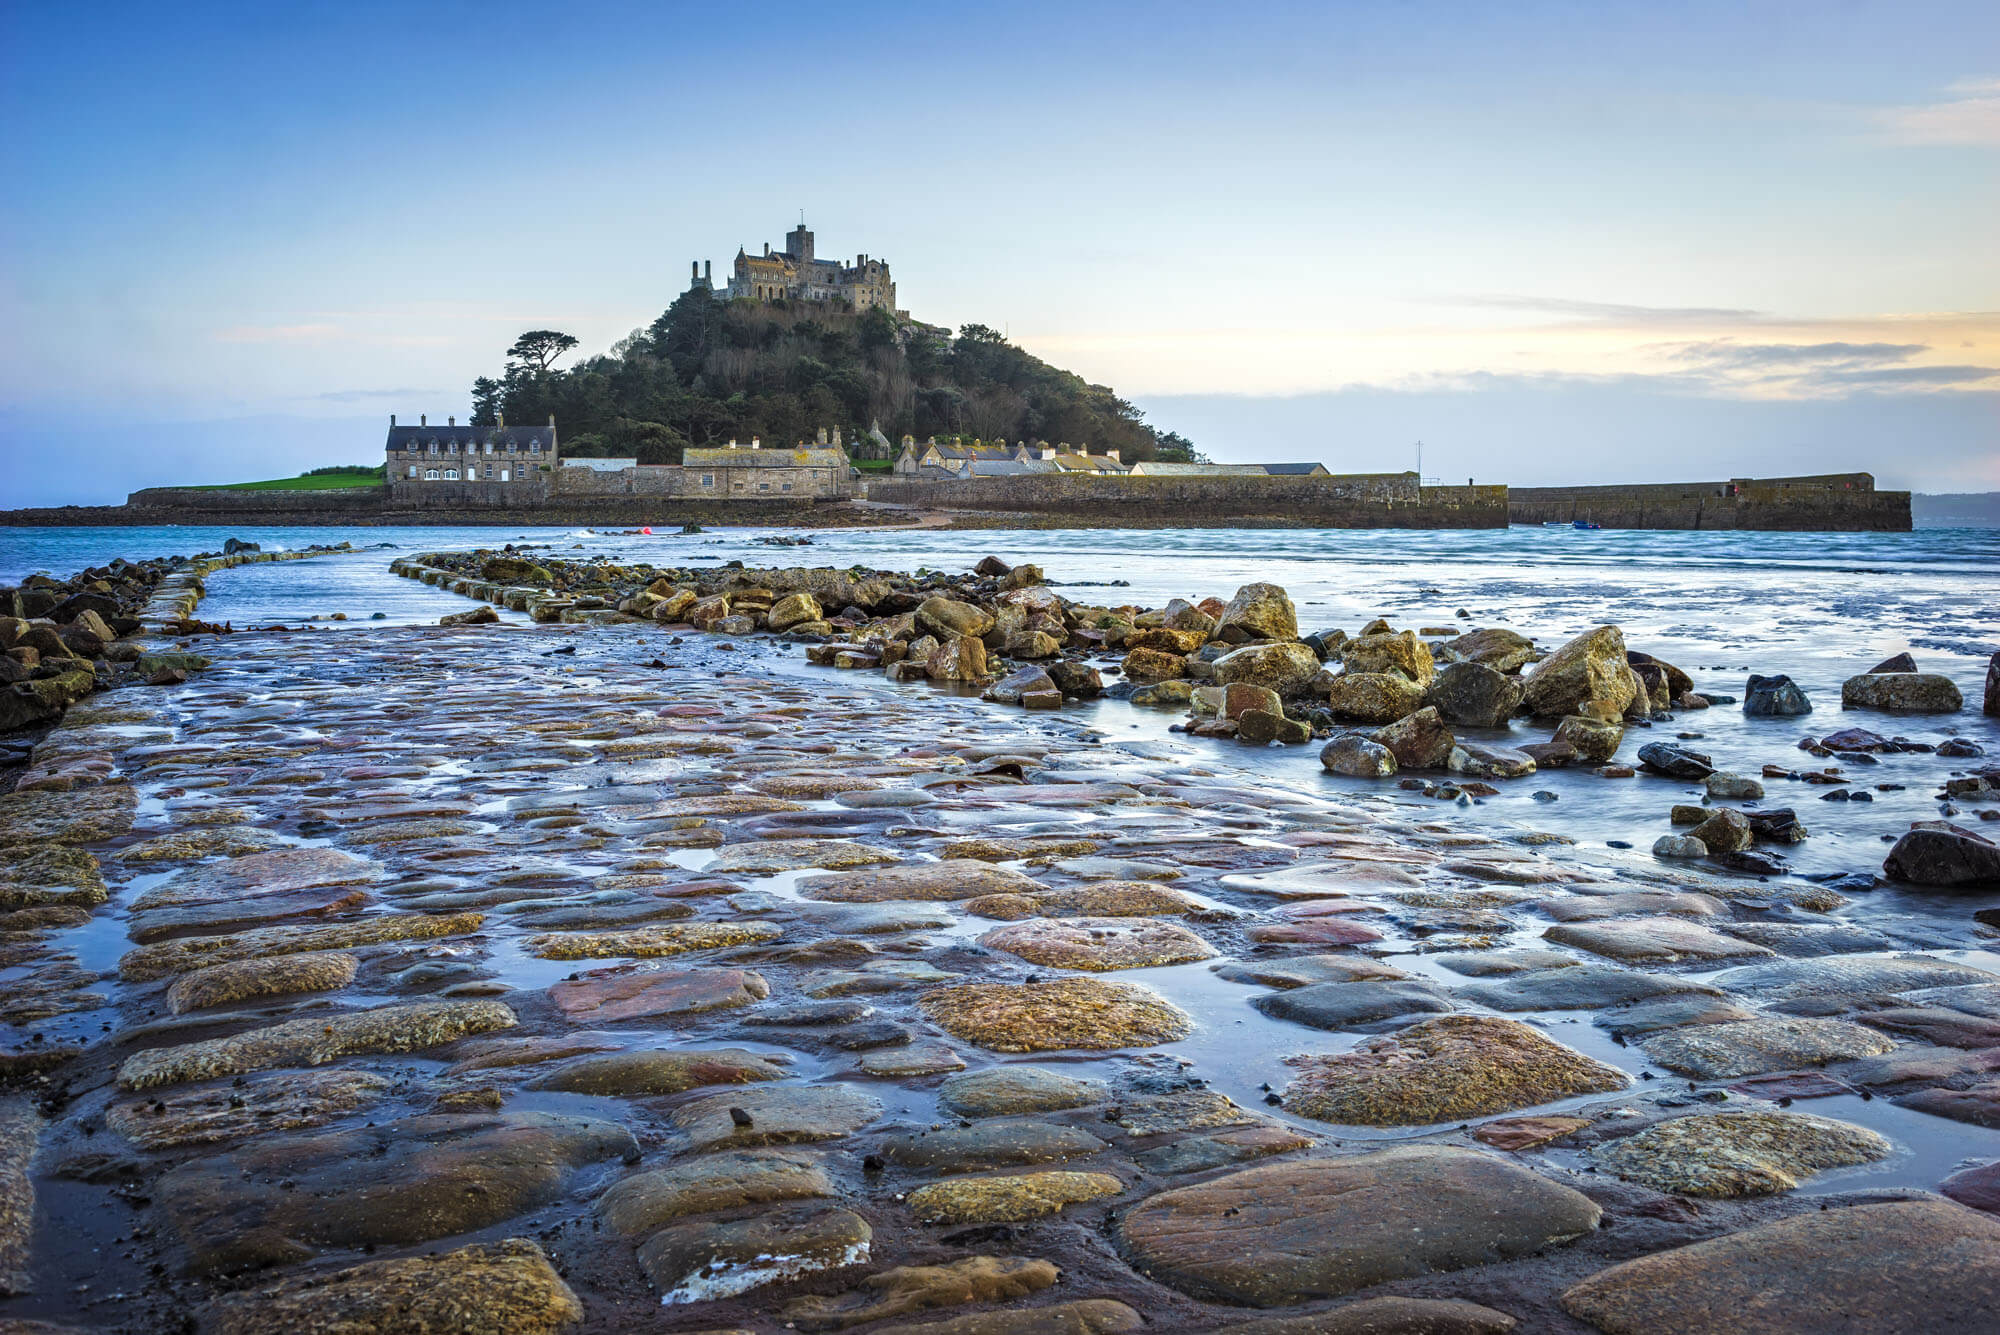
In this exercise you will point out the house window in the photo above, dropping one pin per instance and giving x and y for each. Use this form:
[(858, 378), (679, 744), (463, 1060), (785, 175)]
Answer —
[(451, 475), (434, 447), (535, 446), (489, 472), (512, 448), (788, 486), (763, 486), (708, 479), (413, 470), (503, 474), (430, 475)]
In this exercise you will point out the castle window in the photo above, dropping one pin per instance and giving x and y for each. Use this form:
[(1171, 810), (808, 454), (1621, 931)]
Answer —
[(512, 448), (788, 486), (708, 479), (489, 472), (413, 470), (763, 486), (503, 474), (451, 475), (430, 475), (434, 447)]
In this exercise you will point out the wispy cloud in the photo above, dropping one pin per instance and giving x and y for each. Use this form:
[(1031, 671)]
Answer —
[(366, 395), (1818, 368), (1606, 312), (1968, 114)]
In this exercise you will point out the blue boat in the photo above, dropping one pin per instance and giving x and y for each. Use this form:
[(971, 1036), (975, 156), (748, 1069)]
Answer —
[(1584, 524)]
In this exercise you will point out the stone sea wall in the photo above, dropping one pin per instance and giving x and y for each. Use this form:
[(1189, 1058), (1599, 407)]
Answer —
[(1785, 504), (1372, 500)]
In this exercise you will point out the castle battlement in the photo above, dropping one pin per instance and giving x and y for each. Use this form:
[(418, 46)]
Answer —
[(797, 274)]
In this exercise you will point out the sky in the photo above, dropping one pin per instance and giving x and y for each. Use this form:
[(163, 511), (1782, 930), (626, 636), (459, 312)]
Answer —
[(1555, 242)]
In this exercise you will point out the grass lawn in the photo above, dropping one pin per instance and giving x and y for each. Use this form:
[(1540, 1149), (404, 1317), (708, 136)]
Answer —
[(875, 465), (310, 482)]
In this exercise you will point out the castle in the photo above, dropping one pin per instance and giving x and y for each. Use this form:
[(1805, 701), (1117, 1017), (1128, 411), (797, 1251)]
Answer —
[(794, 273)]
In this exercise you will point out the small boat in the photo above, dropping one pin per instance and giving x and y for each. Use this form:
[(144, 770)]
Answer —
[(1585, 524), (1554, 523)]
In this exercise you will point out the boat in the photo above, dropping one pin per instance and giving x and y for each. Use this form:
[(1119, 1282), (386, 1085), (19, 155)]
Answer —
[(1586, 525)]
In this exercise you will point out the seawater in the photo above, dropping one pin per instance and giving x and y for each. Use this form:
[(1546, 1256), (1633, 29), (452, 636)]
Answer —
[(1817, 606)]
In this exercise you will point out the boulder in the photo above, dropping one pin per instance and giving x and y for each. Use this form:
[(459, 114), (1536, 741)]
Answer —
[(1727, 830), (1903, 1266), (1374, 697), (1152, 665), (1595, 741), (1896, 663), (1074, 678), (1675, 762), (1014, 1089), (1008, 1200), (1098, 944), (1767, 1043), (1478, 761), (910, 1289), (1992, 703), (1902, 692), (1774, 696), (700, 1260), (1403, 654), (792, 610), (1494, 647), (1261, 726), (1589, 668), (1010, 688), (1094, 1014), (1421, 741), (1737, 1153), (1359, 756), (1940, 853), (673, 606), (1679, 846), (947, 618), (960, 659), (1474, 694), (1288, 1233), (1281, 666), (1259, 612), (1166, 640), (1240, 697), (478, 616)]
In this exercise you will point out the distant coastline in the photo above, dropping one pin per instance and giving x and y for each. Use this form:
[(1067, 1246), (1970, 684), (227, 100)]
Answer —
[(1956, 509)]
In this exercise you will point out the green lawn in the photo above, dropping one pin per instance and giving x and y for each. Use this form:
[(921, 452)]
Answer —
[(308, 482), (875, 465)]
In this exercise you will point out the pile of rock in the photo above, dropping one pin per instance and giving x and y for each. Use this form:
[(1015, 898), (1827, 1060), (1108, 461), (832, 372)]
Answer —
[(61, 639)]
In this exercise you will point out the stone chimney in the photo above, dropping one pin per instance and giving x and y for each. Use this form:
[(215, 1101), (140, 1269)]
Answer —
[(451, 421), (499, 418), (1112, 455), (392, 419), (423, 420), (756, 442)]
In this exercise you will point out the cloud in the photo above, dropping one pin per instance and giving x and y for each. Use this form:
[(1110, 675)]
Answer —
[(1726, 353), (1608, 312), (1903, 377), (366, 395), (1817, 368), (1968, 115), (277, 333)]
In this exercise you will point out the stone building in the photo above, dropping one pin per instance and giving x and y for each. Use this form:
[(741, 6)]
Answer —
[(754, 473), (435, 465), (797, 274)]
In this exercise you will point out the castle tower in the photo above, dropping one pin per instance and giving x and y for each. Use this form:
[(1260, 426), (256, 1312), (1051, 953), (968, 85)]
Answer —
[(799, 245)]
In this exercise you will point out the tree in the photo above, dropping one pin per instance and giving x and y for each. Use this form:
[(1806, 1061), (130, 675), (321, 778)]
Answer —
[(538, 349)]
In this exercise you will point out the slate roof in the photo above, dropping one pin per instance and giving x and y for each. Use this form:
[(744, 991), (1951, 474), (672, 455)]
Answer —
[(1294, 470), (522, 436), (806, 457)]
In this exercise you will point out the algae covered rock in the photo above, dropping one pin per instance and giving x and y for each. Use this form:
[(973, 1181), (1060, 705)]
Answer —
[(1590, 668), (1000, 1091), (1737, 1153), (1444, 1070), (316, 1041), (725, 1180), (244, 980), (1259, 612), (918, 1288), (1098, 944), (1374, 697), (1089, 1013), (1010, 1199)]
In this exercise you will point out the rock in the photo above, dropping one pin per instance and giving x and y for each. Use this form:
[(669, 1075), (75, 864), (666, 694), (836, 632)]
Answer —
[(949, 620), (648, 942), (1737, 1153), (657, 1071), (1000, 1091), (1092, 1316), (1977, 1187), (921, 1288), (1421, 741), (777, 1114), (1935, 1024), (316, 1041), (1358, 756), (1306, 970), (1991, 705), (1199, 1154), (1733, 787), (1515, 1134), (1166, 639), (1281, 666), (1338, 1006), (1653, 940), (1595, 741), (1839, 978), (774, 855), (1939, 853), (726, 1180), (165, 958), (395, 1184), (992, 1143), (478, 616), (1287, 1233), (1726, 830), (1098, 944), (1494, 647), (1679, 846), (1259, 612), (1766, 696), (1583, 987), (1676, 762), (793, 609), (702, 1260), (1374, 697), (1478, 761), (495, 1288), (1442, 1070), (1074, 678), (610, 996), (283, 1101), (1474, 694), (1152, 665), (20, 1137), (1008, 1200), (244, 980), (1262, 726), (960, 659), (951, 879), (1010, 688), (1590, 668), (1089, 1013), (1903, 1266), (1978, 1105), (1404, 655), (1164, 693), (1902, 692), (1753, 1047)]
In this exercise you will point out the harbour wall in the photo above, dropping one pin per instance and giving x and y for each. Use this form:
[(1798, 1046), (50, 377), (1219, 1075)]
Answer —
[(1841, 502), (1363, 500)]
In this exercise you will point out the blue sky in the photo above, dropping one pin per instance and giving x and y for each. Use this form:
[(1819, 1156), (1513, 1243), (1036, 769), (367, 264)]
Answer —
[(1558, 242)]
